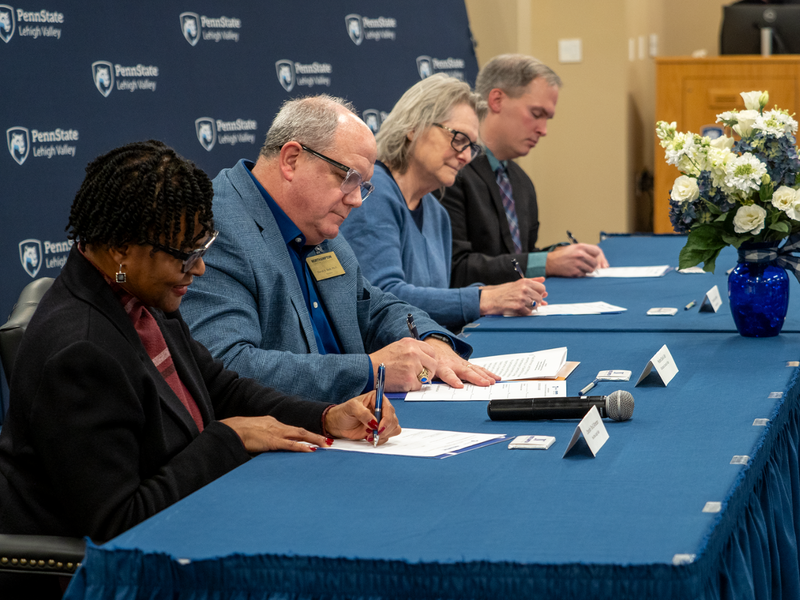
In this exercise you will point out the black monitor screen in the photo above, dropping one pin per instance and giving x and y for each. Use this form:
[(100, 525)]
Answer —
[(742, 24)]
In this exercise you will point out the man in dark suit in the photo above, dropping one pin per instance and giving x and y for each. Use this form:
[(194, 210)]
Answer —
[(492, 203)]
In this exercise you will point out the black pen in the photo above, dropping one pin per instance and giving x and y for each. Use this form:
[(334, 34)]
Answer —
[(518, 269), (411, 326), (571, 237), (379, 402)]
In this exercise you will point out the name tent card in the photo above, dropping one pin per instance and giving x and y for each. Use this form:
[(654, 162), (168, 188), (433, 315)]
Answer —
[(663, 364), (712, 301), (593, 431)]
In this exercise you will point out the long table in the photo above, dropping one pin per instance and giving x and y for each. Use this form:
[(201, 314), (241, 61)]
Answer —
[(665, 510)]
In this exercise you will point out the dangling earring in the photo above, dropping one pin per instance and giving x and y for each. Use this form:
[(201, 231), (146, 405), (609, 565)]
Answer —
[(121, 276)]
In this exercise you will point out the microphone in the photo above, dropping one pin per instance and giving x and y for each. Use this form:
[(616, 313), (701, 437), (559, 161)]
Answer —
[(617, 405)]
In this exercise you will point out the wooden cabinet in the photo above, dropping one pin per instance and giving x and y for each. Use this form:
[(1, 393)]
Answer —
[(692, 91)]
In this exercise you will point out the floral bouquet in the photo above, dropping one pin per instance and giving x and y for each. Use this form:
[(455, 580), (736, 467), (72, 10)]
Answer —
[(735, 192)]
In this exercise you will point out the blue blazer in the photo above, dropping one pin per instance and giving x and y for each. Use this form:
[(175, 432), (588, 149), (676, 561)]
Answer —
[(248, 308)]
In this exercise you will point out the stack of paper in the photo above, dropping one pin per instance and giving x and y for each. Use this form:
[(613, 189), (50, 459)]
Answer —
[(441, 392), (544, 364), (657, 271), (577, 308)]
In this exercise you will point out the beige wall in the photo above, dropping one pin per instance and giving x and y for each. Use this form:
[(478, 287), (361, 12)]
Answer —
[(586, 170)]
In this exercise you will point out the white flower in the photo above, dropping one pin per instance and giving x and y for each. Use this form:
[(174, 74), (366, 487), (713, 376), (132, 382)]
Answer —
[(685, 189), (665, 131), (728, 117), (749, 219), (743, 174), (744, 122), (752, 100), (717, 163), (783, 198), (788, 200), (722, 142), (775, 123)]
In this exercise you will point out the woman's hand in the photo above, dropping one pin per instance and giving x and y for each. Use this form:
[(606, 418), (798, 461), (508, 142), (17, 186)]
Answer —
[(355, 419), (264, 434)]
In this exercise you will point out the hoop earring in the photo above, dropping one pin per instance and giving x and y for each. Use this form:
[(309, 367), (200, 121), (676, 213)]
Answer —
[(121, 276)]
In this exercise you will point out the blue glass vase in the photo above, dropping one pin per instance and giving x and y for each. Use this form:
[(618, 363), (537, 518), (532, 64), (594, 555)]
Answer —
[(758, 290)]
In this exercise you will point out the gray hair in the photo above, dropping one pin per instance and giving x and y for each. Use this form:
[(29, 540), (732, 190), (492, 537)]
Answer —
[(427, 102), (311, 120), (512, 73)]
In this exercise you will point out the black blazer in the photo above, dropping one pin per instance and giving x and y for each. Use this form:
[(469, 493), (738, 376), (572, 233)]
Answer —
[(95, 440), (482, 246)]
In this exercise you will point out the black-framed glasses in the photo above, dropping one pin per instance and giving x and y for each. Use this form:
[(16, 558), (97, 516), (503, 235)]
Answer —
[(461, 141), (189, 258), (352, 180)]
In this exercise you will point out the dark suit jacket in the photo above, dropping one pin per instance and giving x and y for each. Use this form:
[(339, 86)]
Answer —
[(95, 440), (482, 246)]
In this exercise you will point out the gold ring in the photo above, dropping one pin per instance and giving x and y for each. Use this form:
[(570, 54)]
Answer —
[(424, 375)]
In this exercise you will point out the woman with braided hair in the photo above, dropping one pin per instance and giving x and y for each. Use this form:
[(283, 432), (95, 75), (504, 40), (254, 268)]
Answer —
[(115, 411)]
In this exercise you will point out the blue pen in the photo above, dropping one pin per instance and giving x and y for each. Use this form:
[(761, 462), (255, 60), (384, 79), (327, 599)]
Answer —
[(379, 401), (518, 269)]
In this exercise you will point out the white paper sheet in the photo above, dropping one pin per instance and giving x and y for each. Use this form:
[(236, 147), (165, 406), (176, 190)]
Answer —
[(441, 392), (577, 308), (423, 443), (657, 271), (543, 364)]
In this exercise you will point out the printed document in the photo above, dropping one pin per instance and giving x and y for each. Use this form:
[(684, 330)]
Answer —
[(543, 364), (658, 271), (423, 443), (441, 392), (577, 308)]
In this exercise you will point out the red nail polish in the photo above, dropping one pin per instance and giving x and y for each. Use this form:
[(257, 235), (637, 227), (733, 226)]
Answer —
[(373, 424), (381, 430), (330, 441), (370, 438)]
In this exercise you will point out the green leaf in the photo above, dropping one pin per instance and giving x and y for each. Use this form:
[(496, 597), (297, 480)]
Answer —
[(712, 208), (781, 226)]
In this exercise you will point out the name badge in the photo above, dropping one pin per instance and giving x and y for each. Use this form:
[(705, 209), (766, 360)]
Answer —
[(324, 266)]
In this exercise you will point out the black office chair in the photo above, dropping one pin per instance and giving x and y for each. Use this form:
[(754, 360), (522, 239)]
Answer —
[(32, 554)]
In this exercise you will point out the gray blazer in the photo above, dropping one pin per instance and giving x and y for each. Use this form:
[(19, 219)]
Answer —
[(248, 308)]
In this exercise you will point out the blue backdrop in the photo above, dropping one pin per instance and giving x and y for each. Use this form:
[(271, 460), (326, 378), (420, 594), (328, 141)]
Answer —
[(205, 77)]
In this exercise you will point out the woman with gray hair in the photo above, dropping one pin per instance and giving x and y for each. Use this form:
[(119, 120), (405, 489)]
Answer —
[(401, 234)]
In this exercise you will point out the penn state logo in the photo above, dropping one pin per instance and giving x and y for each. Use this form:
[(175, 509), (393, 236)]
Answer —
[(285, 70), (30, 255), (373, 119), (7, 23), (19, 142), (355, 28), (103, 75), (424, 66), (206, 132), (190, 26)]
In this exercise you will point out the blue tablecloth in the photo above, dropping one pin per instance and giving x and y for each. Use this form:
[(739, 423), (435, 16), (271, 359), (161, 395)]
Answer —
[(638, 295), (499, 523)]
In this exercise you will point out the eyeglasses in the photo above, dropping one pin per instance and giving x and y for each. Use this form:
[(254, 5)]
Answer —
[(461, 142), (189, 258), (351, 181)]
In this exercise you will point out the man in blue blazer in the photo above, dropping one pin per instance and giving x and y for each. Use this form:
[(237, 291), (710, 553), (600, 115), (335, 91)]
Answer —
[(283, 299)]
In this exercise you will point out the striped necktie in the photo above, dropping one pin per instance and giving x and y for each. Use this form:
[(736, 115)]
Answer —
[(508, 206)]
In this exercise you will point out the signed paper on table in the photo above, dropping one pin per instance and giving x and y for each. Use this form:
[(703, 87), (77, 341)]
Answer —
[(543, 364)]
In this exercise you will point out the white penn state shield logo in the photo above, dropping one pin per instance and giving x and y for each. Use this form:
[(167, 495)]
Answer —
[(19, 142), (373, 119), (103, 76), (30, 255), (206, 132), (424, 66), (355, 28), (285, 70), (190, 26), (7, 23)]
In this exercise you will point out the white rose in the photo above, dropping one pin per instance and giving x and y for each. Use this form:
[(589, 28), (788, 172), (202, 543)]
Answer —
[(745, 119), (749, 219), (794, 212), (722, 143), (685, 189), (752, 100), (784, 198)]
